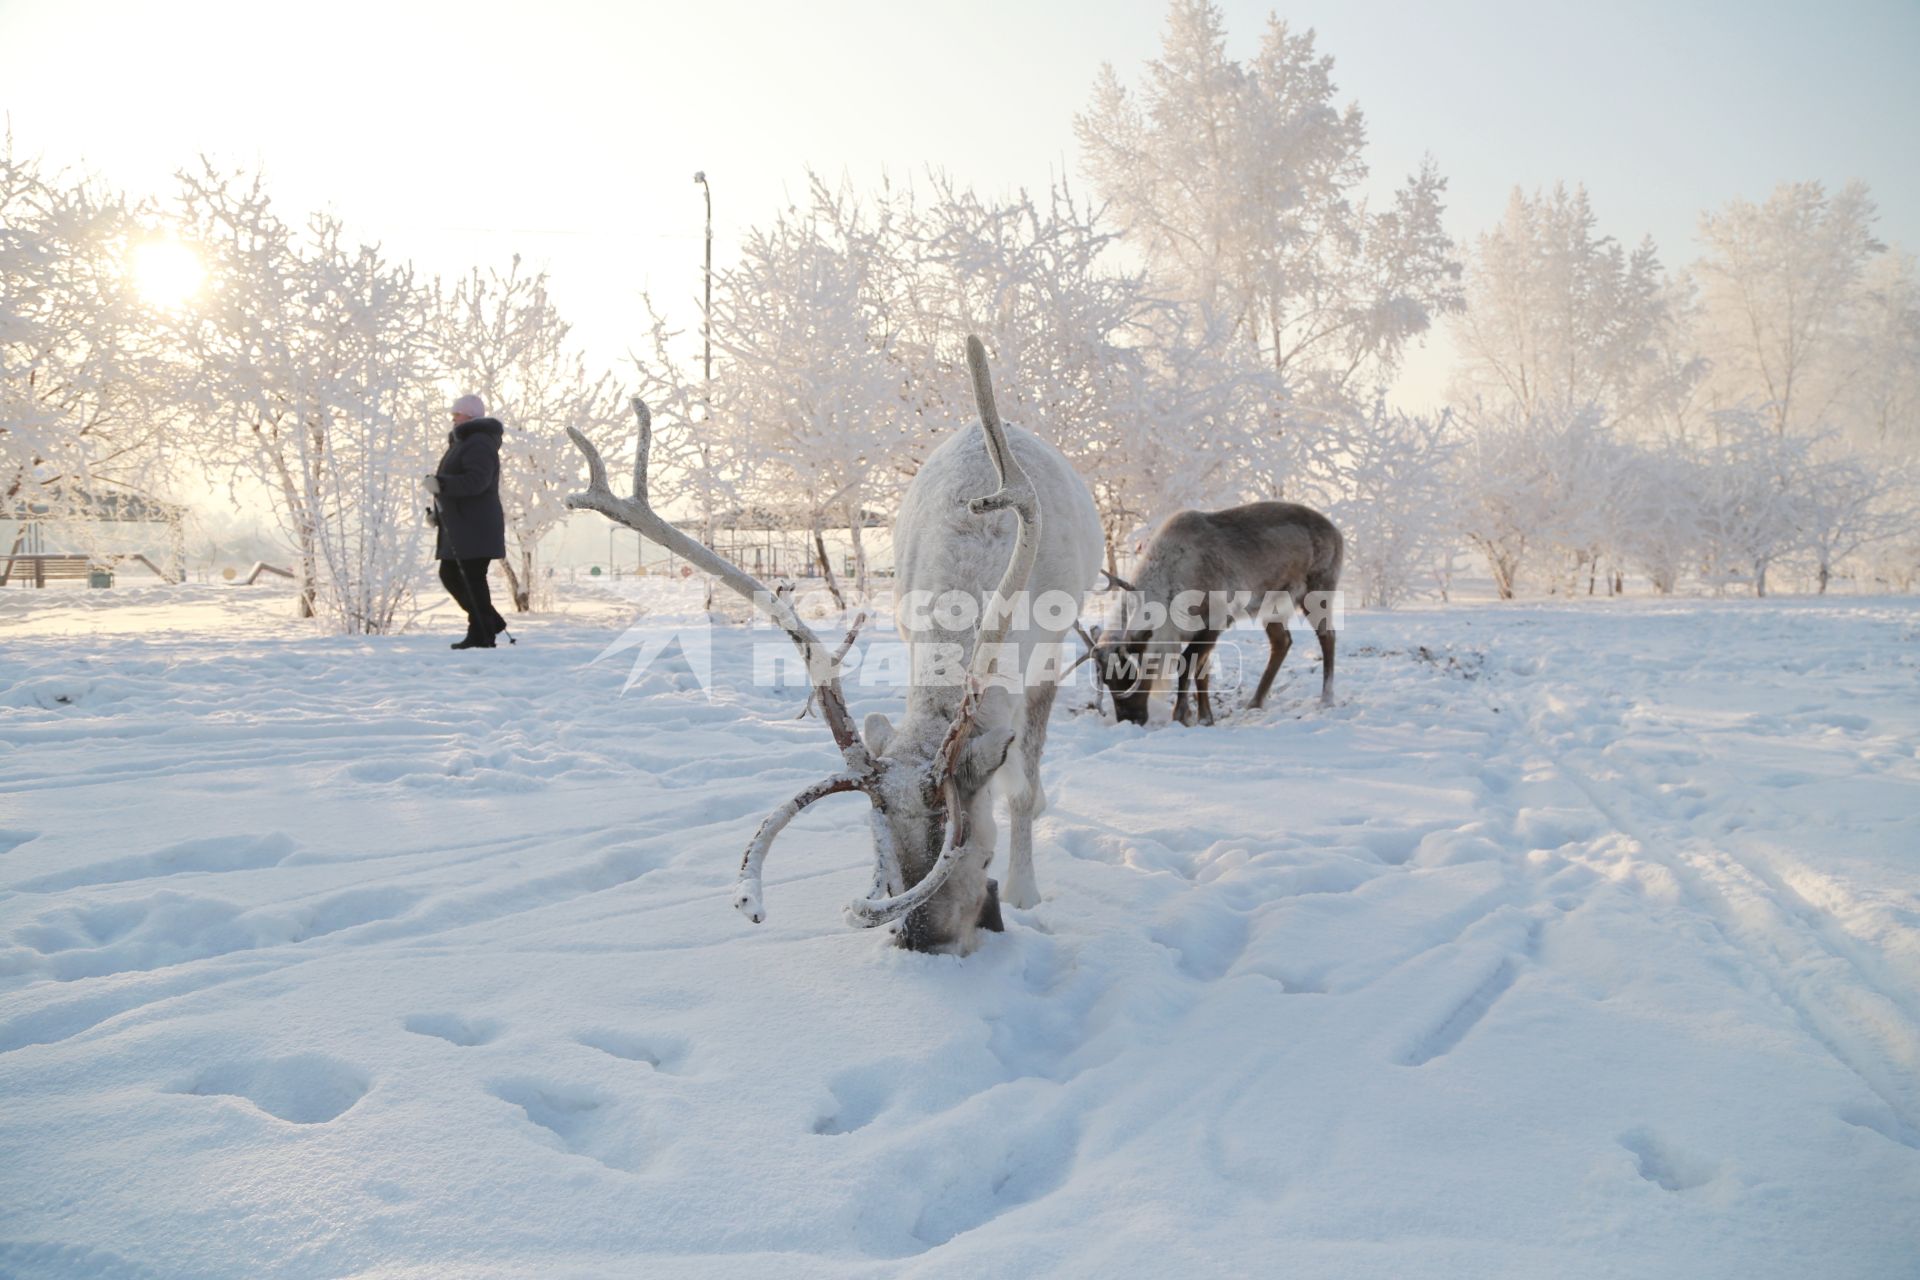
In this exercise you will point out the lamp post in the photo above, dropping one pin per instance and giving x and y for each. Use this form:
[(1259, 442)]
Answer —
[(706, 370), (706, 316)]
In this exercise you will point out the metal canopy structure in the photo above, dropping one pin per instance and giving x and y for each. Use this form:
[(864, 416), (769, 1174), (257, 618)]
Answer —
[(769, 541), (785, 519), (72, 506), (82, 505)]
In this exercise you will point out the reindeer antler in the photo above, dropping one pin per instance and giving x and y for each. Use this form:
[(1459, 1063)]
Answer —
[(1092, 643), (1016, 493), (876, 910), (823, 665), (746, 893), (888, 900), (637, 513), (839, 656)]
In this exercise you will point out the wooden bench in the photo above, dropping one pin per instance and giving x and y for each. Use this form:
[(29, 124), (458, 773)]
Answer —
[(39, 570)]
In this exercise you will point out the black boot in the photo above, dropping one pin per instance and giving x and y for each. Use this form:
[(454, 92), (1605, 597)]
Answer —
[(474, 640)]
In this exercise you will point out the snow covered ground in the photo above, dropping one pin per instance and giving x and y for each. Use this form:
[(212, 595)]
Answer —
[(1576, 940)]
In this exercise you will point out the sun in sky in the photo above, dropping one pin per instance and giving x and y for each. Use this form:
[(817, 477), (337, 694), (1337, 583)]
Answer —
[(167, 273)]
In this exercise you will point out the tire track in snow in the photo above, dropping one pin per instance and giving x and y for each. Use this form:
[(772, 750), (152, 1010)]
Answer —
[(1840, 940), (1470, 1010), (1833, 998), (1452, 1029)]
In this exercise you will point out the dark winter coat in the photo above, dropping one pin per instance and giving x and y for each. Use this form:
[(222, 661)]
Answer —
[(472, 525)]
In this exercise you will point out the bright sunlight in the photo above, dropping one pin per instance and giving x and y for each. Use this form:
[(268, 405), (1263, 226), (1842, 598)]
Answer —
[(167, 273)]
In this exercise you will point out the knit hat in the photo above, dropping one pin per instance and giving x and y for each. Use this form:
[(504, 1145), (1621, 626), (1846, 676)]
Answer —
[(472, 406)]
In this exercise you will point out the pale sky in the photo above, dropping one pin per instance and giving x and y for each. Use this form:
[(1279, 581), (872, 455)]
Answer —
[(456, 134)]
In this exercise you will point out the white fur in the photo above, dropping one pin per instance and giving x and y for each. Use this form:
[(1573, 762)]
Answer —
[(940, 547)]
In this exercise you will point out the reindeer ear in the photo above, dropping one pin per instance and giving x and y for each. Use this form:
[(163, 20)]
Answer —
[(987, 752), (878, 732)]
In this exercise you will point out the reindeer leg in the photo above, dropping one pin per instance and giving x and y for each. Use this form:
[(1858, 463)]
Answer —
[(1026, 800), (1324, 629), (1182, 676), (1279, 640), (1202, 655)]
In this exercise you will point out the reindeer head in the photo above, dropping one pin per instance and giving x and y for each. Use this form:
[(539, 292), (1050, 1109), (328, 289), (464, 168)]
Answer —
[(931, 821), (1122, 668), (1122, 655), (932, 795)]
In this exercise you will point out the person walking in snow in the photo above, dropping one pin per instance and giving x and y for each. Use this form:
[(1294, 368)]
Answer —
[(473, 528)]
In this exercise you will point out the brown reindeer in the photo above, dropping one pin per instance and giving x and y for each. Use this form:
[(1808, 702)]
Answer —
[(1202, 571)]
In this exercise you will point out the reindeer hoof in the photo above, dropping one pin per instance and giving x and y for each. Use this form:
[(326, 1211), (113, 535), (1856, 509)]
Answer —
[(990, 910)]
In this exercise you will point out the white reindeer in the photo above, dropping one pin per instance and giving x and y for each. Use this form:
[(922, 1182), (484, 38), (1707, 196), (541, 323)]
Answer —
[(980, 693)]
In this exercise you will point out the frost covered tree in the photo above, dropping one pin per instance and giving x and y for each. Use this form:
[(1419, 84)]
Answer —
[(83, 378), (1584, 463), (1682, 404), (1029, 277), (694, 466), (1240, 185), (1658, 505), (1214, 426), (312, 385), (1506, 506), (1532, 484), (1559, 317), (255, 361), (1750, 482), (1847, 504), (360, 449), (1781, 301), (498, 335), (1881, 403), (1895, 562), (811, 394), (1155, 413), (1696, 422), (1387, 479)]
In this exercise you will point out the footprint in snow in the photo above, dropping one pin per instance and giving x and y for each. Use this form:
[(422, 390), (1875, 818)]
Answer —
[(454, 1029), (661, 1052), (167, 927), (1026, 1163), (306, 1088), (1882, 1121), (1207, 936), (1662, 1164), (1047, 965), (858, 1096), (575, 1120)]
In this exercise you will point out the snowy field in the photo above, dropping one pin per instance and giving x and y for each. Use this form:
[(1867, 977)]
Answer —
[(1576, 940)]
